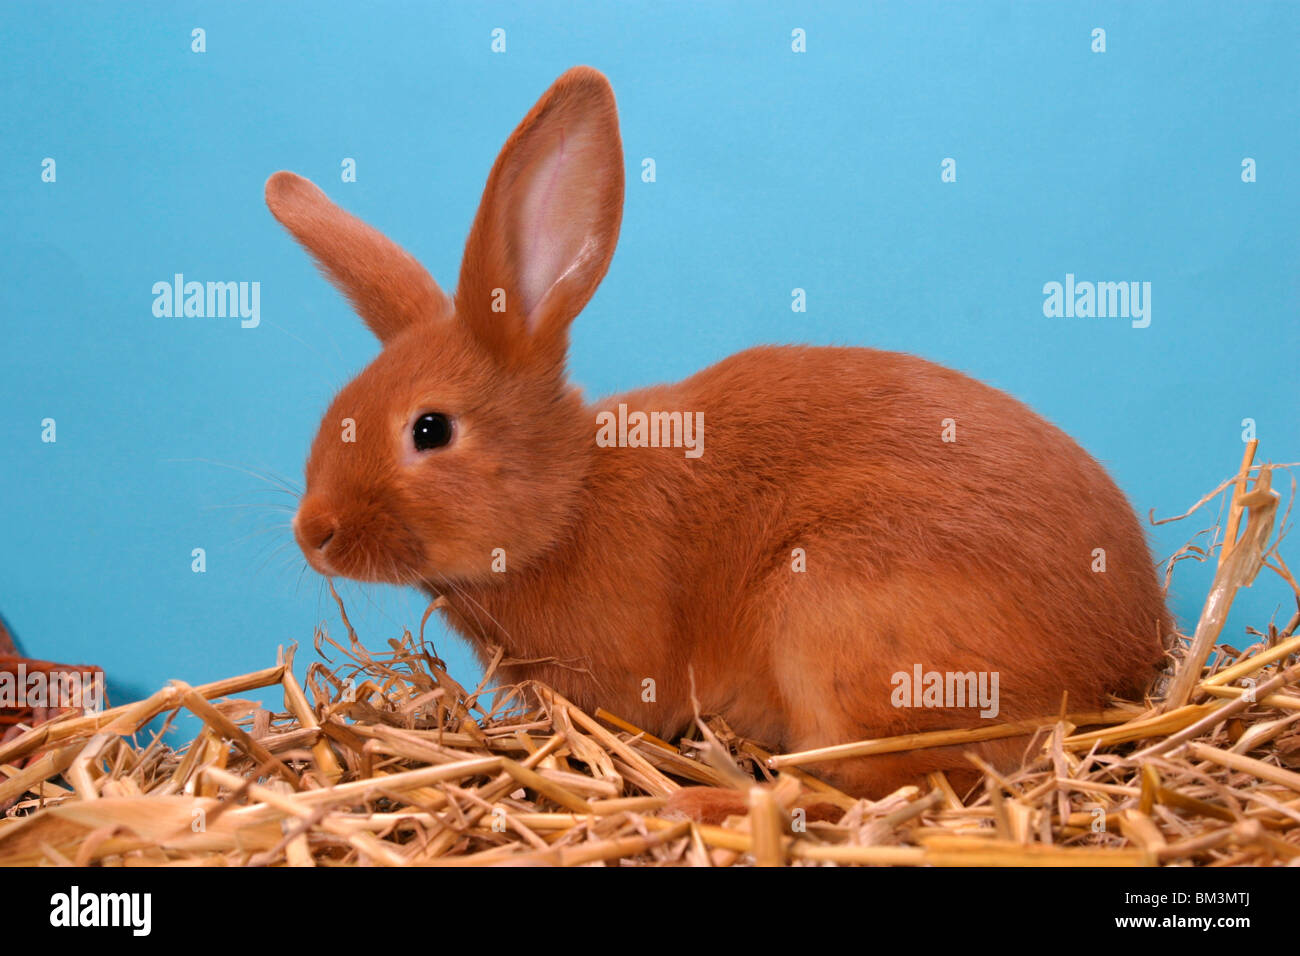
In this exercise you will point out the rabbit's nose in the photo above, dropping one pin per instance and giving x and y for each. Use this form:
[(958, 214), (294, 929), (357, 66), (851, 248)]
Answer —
[(314, 526)]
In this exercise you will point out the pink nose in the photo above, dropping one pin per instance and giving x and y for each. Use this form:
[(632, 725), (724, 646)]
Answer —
[(315, 527)]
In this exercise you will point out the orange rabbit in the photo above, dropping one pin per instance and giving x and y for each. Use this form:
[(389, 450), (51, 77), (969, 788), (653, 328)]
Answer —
[(854, 515)]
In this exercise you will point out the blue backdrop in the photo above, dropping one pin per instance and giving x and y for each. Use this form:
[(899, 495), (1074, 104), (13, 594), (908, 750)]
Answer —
[(775, 170)]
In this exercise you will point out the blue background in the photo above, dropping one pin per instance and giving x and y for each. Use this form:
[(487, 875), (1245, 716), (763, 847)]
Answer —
[(776, 170)]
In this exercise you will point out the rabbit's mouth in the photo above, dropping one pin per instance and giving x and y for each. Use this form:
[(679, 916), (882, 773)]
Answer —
[(316, 529), (352, 547), (359, 564)]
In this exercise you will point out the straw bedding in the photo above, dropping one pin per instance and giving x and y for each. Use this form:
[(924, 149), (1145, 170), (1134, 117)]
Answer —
[(381, 758)]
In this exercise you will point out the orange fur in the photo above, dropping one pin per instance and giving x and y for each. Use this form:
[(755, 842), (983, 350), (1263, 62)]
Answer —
[(628, 564)]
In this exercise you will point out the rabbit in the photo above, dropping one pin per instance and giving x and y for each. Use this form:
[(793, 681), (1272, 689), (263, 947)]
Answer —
[(853, 514)]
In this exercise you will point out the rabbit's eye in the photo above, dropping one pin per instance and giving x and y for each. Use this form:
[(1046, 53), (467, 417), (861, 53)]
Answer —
[(431, 431)]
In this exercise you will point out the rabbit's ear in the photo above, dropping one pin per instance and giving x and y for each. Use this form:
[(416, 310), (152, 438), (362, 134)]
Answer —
[(548, 223), (387, 287)]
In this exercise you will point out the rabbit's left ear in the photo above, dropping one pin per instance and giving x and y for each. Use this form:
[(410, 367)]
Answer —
[(386, 285), (548, 222)]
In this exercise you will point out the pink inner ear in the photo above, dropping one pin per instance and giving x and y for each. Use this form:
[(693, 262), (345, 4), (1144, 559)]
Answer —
[(559, 192)]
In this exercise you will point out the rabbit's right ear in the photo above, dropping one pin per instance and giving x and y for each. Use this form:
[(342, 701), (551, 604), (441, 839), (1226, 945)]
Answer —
[(548, 222)]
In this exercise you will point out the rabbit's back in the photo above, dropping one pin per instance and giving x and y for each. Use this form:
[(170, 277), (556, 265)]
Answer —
[(917, 461)]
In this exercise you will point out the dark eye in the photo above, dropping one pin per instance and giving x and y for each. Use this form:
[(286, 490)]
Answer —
[(431, 431)]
